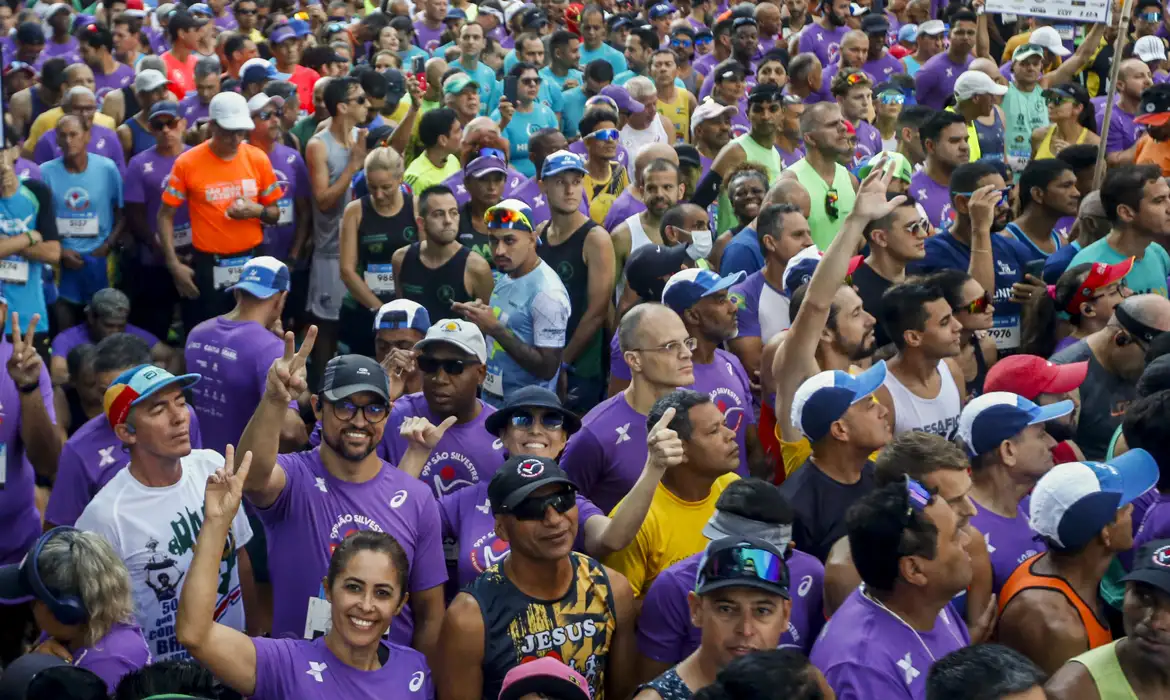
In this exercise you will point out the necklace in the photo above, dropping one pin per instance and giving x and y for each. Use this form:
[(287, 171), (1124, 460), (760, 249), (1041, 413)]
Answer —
[(865, 594)]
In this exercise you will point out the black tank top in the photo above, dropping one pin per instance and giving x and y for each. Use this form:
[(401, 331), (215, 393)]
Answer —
[(37, 107), (378, 238), (473, 239), (577, 629), (437, 289), (568, 259), (130, 101)]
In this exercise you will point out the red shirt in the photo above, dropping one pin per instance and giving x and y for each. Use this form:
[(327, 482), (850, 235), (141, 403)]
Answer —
[(181, 75), (305, 79)]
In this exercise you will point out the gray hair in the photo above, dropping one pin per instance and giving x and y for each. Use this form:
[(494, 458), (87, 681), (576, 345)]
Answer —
[(481, 124), (802, 65), (641, 88), (83, 564), (151, 63), (208, 65), (682, 401), (73, 93)]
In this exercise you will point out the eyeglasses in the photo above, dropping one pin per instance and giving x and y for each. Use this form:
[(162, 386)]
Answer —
[(550, 420), (674, 347), (740, 563), (704, 40), (373, 412), (165, 125), (831, 209), (604, 135), (1004, 196), (530, 81), (266, 115), (360, 99), (680, 43), (535, 508), (245, 12), (978, 306), (892, 98)]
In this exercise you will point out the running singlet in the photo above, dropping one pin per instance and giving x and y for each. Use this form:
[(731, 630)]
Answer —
[(1023, 578), (568, 260), (434, 289), (378, 238), (577, 629)]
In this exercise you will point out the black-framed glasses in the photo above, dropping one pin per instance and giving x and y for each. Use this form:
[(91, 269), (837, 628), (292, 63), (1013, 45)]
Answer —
[(373, 412), (525, 419), (431, 365), (674, 347), (535, 507), (831, 209)]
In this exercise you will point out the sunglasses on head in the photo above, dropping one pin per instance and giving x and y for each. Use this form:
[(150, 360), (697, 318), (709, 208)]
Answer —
[(978, 306), (892, 98), (431, 365), (742, 562), (492, 153), (917, 497), (535, 507), (1004, 196), (525, 419), (831, 209), (604, 135)]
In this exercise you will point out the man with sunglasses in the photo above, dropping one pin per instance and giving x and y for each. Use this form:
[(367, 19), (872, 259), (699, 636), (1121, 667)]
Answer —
[(310, 501), (288, 237), (895, 241), (682, 45), (742, 603), (543, 599), (135, 134)]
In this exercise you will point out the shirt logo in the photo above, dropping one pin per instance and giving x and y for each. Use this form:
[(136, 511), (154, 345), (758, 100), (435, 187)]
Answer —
[(107, 456), (1162, 557), (147, 167), (321, 485), (623, 434), (987, 539), (316, 669), (530, 468), (485, 508), (907, 666), (1004, 268), (416, 681)]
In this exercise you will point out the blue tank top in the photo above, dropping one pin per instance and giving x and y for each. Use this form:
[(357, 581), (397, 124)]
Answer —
[(20, 277), (991, 138), (1034, 251), (141, 139)]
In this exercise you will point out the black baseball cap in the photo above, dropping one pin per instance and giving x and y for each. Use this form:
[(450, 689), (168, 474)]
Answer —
[(30, 33), (346, 375), (688, 155), (530, 397), (764, 92), (651, 265), (875, 23), (519, 477), (376, 137), (181, 19), (742, 562), (395, 85), (19, 674), (1154, 109), (1151, 565)]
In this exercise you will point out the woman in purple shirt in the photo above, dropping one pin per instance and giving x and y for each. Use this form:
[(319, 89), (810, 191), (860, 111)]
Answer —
[(82, 602), (365, 588)]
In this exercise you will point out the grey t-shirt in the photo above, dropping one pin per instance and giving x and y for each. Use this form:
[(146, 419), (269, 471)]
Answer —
[(1104, 398)]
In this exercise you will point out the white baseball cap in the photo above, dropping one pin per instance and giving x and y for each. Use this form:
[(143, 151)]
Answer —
[(933, 27), (710, 109), (1150, 48), (1049, 39), (230, 111), (462, 334), (972, 83), (402, 314)]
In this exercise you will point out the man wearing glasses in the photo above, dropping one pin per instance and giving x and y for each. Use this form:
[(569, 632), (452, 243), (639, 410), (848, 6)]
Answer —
[(895, 241)]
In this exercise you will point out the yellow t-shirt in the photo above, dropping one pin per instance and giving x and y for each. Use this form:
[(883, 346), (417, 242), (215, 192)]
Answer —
[(47, 121), (679, 114), (422, 173), (672, 531)]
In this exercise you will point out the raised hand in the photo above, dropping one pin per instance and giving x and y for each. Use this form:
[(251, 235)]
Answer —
[(286, 377), (398, 364), (225, 488), (870, 203), (664, 448), (982, 207), (24, 366), (421, 433), (478, 313)]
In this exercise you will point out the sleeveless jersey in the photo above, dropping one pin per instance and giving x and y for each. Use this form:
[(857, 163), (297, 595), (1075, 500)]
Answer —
[(939, 415), (991, 138), (679, 114), (379, 237), (1022, 579), (669, 686), (140, 138), (824, 228), (567, 259), (766, 158), (1044, 150), (437, 289), (1107, 674)]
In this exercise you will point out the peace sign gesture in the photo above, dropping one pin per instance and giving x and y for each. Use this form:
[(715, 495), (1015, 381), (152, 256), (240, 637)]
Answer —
[(24, 366), (664, 449), (286, 376), (225, 488)]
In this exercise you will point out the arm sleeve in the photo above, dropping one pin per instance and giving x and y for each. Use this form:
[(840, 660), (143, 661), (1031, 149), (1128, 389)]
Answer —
[(707, 191), (46, 211)]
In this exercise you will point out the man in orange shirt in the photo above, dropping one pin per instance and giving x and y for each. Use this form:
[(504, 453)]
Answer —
[(1154, 114), (184, 31), (230, 189)]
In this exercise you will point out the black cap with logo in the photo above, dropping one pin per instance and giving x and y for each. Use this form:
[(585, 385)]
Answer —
[(346, 375), (519, 477)]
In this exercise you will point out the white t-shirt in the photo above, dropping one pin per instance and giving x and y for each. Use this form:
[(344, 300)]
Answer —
[(154, 531)]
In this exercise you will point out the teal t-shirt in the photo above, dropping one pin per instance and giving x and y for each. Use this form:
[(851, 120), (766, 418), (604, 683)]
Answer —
[(607, 53), (574, 109), (1148, 275), (522, 126)]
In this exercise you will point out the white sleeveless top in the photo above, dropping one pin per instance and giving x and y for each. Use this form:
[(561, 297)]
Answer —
[(638, 237), (634, 140), (939, 415)]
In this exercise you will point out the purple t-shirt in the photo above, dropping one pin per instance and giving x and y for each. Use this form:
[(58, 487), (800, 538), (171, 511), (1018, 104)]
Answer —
[(192, 109), (227, 21), (102, 142), (668, 636), (1009, 541), (70, 50), (89, 459), (26, 169), (825, 43), (935, 80), (20, 522), (606, 456), (121, 651), (295, 668), (934, 198), (514, 181), (703, 64), (1123, 132), (1154, 522), (788, 159), (316, 511), (121, 76), (234, 358), (146, 178), (866, 652), (882, 68), (293, 177), (466, 455), (869, 143), (70, 338), (625, 206), (426, 38)]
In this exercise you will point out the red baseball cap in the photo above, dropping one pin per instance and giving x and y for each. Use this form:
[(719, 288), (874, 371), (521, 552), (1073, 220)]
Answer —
[(1100, 275), (134, 5), (1029, 376)]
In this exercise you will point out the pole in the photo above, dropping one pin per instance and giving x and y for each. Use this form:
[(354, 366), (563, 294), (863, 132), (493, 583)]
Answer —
[(1118, 46)]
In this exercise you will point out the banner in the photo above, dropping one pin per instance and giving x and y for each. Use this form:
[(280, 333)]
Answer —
[(1092, 11)]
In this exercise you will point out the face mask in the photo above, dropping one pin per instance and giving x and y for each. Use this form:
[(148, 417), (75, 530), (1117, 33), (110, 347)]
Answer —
[(701, 244)]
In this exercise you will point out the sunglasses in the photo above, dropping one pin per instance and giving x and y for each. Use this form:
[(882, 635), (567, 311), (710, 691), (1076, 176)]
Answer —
[(245, 12), (360, 99), (1004, 196), (704, 40), (267, 114), (831, 209), (507, 218), (604, 135), (856, 78), (525, 419), (166, 125), (535, 508), (979, 305), (681, 43), (917, 497), (892, 98), (431, 365), (530, 81), (373, 412), (740, 563), (1152, 17)]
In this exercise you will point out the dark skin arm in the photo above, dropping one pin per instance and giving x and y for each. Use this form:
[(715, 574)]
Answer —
[(459, 662), (1043, 626), (1072, 682), (620, 661)]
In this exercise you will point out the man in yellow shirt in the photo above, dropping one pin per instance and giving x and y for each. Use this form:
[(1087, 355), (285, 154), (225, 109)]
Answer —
[(76, 75), (685, 499)]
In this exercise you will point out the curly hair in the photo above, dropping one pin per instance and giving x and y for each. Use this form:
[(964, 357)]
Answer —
[(84, 565)]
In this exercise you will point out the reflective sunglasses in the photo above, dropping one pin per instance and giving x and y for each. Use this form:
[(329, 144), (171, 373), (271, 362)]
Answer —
[(535, 508), (704, 40), (267, 114), (1004, 196), (892, 98), (431, 365), (918, 497), (739, 563), (831, 209), (979, 305), (604, 135), (1152, 17), (373, 412), (550, 420), (681, 43)]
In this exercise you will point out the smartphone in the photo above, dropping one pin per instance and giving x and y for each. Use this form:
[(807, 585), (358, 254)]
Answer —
[(418, 65), (511, 87), (1035, 268)]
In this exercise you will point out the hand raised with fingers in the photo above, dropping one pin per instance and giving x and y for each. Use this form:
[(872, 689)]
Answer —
[(664, 449), (286, 377), (982, 207), (24, 366), (225, 488), (398, 363), (420, 432), (871, 203)]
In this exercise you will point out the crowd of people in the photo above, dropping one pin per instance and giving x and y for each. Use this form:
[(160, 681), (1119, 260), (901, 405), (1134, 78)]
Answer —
[(490, 350)]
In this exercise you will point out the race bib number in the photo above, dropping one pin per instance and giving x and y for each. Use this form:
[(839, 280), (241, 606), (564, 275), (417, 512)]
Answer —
[(1006, 333), (1066, 31), (14, 270), (380, 279), (1011, 19), (227, 272), (183, 236), (80, 227), (286, 212), (494, 383)]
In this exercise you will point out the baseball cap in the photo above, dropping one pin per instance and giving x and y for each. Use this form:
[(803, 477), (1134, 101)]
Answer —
[(261, 100), (300, 27), (1151, 565), (166, 108), (1029, 376), (546, 677), (875, 23), (1049, 38), (764, 92), (402, 314), (728, 70), (30, 33), (19, 674), (710, 109), (181, 19), (458, 83), (1150, 48), (531, 396), (135, 385), (201, 9), (650, 264), (54, 9), (989, 419), (688, 155), (533, 18), (1075, 500), (898, 163), (1155, 107), (685, 288), (622, 98), (18, 66), (932, 27), (346, 375), (164, 9), (824, 397), (263, 276), (800, 268), (972, 83), (662, 9), (255, 73), (562, 162), (485, 165), (908, 32), (742, 562), (109, 303), (150, 80), (517, 478), (1100, 275), (378, 136), (510, 213), (454, 13), (462, 334), (511, 11), (230, 111), (1028, 50), (396, 85)]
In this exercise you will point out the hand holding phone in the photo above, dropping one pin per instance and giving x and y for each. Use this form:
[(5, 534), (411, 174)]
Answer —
[(511, 88)]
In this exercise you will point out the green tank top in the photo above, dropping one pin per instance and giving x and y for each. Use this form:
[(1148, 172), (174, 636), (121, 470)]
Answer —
[(1112, 587), (1102, 665), (1023, 112), (824, 228), (766, 158)]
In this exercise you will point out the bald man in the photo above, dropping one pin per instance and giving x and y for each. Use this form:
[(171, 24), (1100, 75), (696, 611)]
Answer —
[(1133, 76), (852, 54), (1116, 356), (769, 23), (76, 75), (630, 202)]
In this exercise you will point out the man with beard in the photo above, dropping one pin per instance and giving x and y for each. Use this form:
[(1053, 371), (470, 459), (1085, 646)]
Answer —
[(823, 37), (661, 189), (97, 50), (879, 64), (711, 131), (1133, 79), (1048, 192), (641, 44), (1044, 382), (593, 47), (682, 45), (945, 141), (310, 501), (894, 241), (910, 122), (921, 390), (745, 40), (831, 189), (934, 82), (787, 138), (582, 254), (1083, 513), (851, 56), (1132, 667)]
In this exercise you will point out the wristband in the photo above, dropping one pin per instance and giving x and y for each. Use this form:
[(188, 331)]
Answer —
[(31, 240), (30, 388)]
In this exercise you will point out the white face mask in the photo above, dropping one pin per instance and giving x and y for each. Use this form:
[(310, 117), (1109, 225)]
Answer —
[(701, 244)]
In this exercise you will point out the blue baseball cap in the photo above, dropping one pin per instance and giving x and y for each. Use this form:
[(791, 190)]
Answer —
[(661, 10), (824, 397), (134, 386), (201, 8), (988, 420), (264, 276), (1074, 501), (281, 34), (401, 314), (166, 108), (562, 162), (908, 32), (800, 269), (454, 13), (685, 288), (300, 27)]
